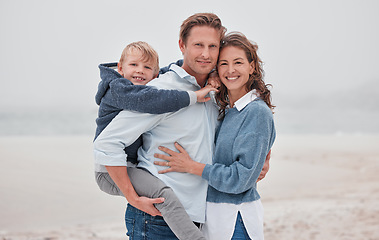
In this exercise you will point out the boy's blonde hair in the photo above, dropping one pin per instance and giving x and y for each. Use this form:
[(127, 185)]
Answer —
[(148, 53)]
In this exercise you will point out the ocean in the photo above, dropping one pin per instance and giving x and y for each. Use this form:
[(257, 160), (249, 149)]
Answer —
[(55, 121)]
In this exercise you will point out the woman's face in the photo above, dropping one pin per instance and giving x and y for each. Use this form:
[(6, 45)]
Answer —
[(234, 69)]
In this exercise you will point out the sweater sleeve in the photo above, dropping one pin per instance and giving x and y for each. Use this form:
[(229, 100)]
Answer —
[(122, 94), (250, 148)]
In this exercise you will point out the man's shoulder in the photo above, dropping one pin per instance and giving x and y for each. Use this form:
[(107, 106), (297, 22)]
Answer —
[(165, 80)]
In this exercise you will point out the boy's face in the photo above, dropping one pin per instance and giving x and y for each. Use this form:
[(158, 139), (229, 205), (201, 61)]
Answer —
[(136, 70), (201, 50)]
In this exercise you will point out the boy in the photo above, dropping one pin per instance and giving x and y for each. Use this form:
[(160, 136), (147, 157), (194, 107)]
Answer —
[(126, 89)]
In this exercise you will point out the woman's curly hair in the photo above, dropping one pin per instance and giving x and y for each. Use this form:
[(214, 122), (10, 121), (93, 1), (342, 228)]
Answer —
[(255, 81)]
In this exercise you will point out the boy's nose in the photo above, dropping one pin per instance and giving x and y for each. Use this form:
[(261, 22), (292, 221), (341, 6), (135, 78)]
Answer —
[(140, 69)]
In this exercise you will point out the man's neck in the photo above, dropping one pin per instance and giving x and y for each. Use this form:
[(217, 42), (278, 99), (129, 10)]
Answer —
[(200, 78)]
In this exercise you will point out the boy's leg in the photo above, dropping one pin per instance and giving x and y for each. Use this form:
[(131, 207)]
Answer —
[(173, 212), (106, 184)]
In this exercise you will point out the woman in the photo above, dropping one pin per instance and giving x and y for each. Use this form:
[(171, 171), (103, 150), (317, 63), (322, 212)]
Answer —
[(244, 138)]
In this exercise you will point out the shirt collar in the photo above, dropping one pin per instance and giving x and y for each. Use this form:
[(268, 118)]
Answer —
[(246, 99), (183, 74)]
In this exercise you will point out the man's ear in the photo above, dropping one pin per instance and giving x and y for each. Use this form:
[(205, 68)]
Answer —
[(119, 69), (181, 45)]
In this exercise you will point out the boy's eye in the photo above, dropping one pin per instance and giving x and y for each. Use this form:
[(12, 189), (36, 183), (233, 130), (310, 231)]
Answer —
[(133, 64), (147, 67)]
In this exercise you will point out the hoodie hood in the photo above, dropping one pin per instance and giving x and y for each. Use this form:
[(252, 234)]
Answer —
[(107, 74)]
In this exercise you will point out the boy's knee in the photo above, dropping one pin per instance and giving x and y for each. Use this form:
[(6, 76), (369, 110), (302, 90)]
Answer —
[(168, 194), (106, 184)]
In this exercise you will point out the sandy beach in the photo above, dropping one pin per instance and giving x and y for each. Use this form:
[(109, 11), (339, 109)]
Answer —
[(318, 187)]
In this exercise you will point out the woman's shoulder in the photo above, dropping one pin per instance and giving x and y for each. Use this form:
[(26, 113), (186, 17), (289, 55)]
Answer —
[(258, 105)]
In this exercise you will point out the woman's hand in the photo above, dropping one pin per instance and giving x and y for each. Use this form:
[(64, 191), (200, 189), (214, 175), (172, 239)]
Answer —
[(214, 80), (178, 161)]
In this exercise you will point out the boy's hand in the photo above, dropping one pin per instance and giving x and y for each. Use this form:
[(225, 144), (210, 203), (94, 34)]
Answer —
[(203, 92), (214, 80)]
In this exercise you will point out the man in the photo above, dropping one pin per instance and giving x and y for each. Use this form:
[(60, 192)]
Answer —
[(193, 127)]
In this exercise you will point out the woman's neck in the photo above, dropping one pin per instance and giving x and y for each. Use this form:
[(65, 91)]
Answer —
[(234, 96)]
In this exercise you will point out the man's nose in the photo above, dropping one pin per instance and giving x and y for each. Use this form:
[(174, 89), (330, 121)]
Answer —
[(205, 53)]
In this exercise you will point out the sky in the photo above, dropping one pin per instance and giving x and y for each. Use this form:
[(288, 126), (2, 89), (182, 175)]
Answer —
[(318, 55)]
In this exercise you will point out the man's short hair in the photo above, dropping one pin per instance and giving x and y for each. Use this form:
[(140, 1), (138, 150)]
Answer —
[(201, 19)]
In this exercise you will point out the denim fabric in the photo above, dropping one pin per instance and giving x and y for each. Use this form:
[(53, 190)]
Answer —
[(142, 226), (240, 232)]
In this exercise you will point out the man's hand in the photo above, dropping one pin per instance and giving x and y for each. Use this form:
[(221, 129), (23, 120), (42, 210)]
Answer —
[(147, 205), (203, 92), (266, 167)]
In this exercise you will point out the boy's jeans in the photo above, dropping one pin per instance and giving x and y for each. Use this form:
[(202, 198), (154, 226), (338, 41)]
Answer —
[(142, 226)]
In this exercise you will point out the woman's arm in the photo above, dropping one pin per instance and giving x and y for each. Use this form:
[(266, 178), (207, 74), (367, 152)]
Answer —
[(250, 149), (253, 151), (182, 162)]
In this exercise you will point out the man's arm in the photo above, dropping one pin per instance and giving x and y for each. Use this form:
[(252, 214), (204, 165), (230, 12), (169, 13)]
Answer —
[(120, 176), (109, 146), (266, 167)]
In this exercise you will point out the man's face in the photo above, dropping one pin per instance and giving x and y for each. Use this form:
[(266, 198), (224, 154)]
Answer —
[(201, 50), (136, 70)]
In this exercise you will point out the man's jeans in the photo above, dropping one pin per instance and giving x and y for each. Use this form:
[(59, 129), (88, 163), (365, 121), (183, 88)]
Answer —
[(142, 226)]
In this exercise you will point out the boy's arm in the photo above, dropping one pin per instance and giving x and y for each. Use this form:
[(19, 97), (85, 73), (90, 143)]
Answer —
[(123, 94)]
